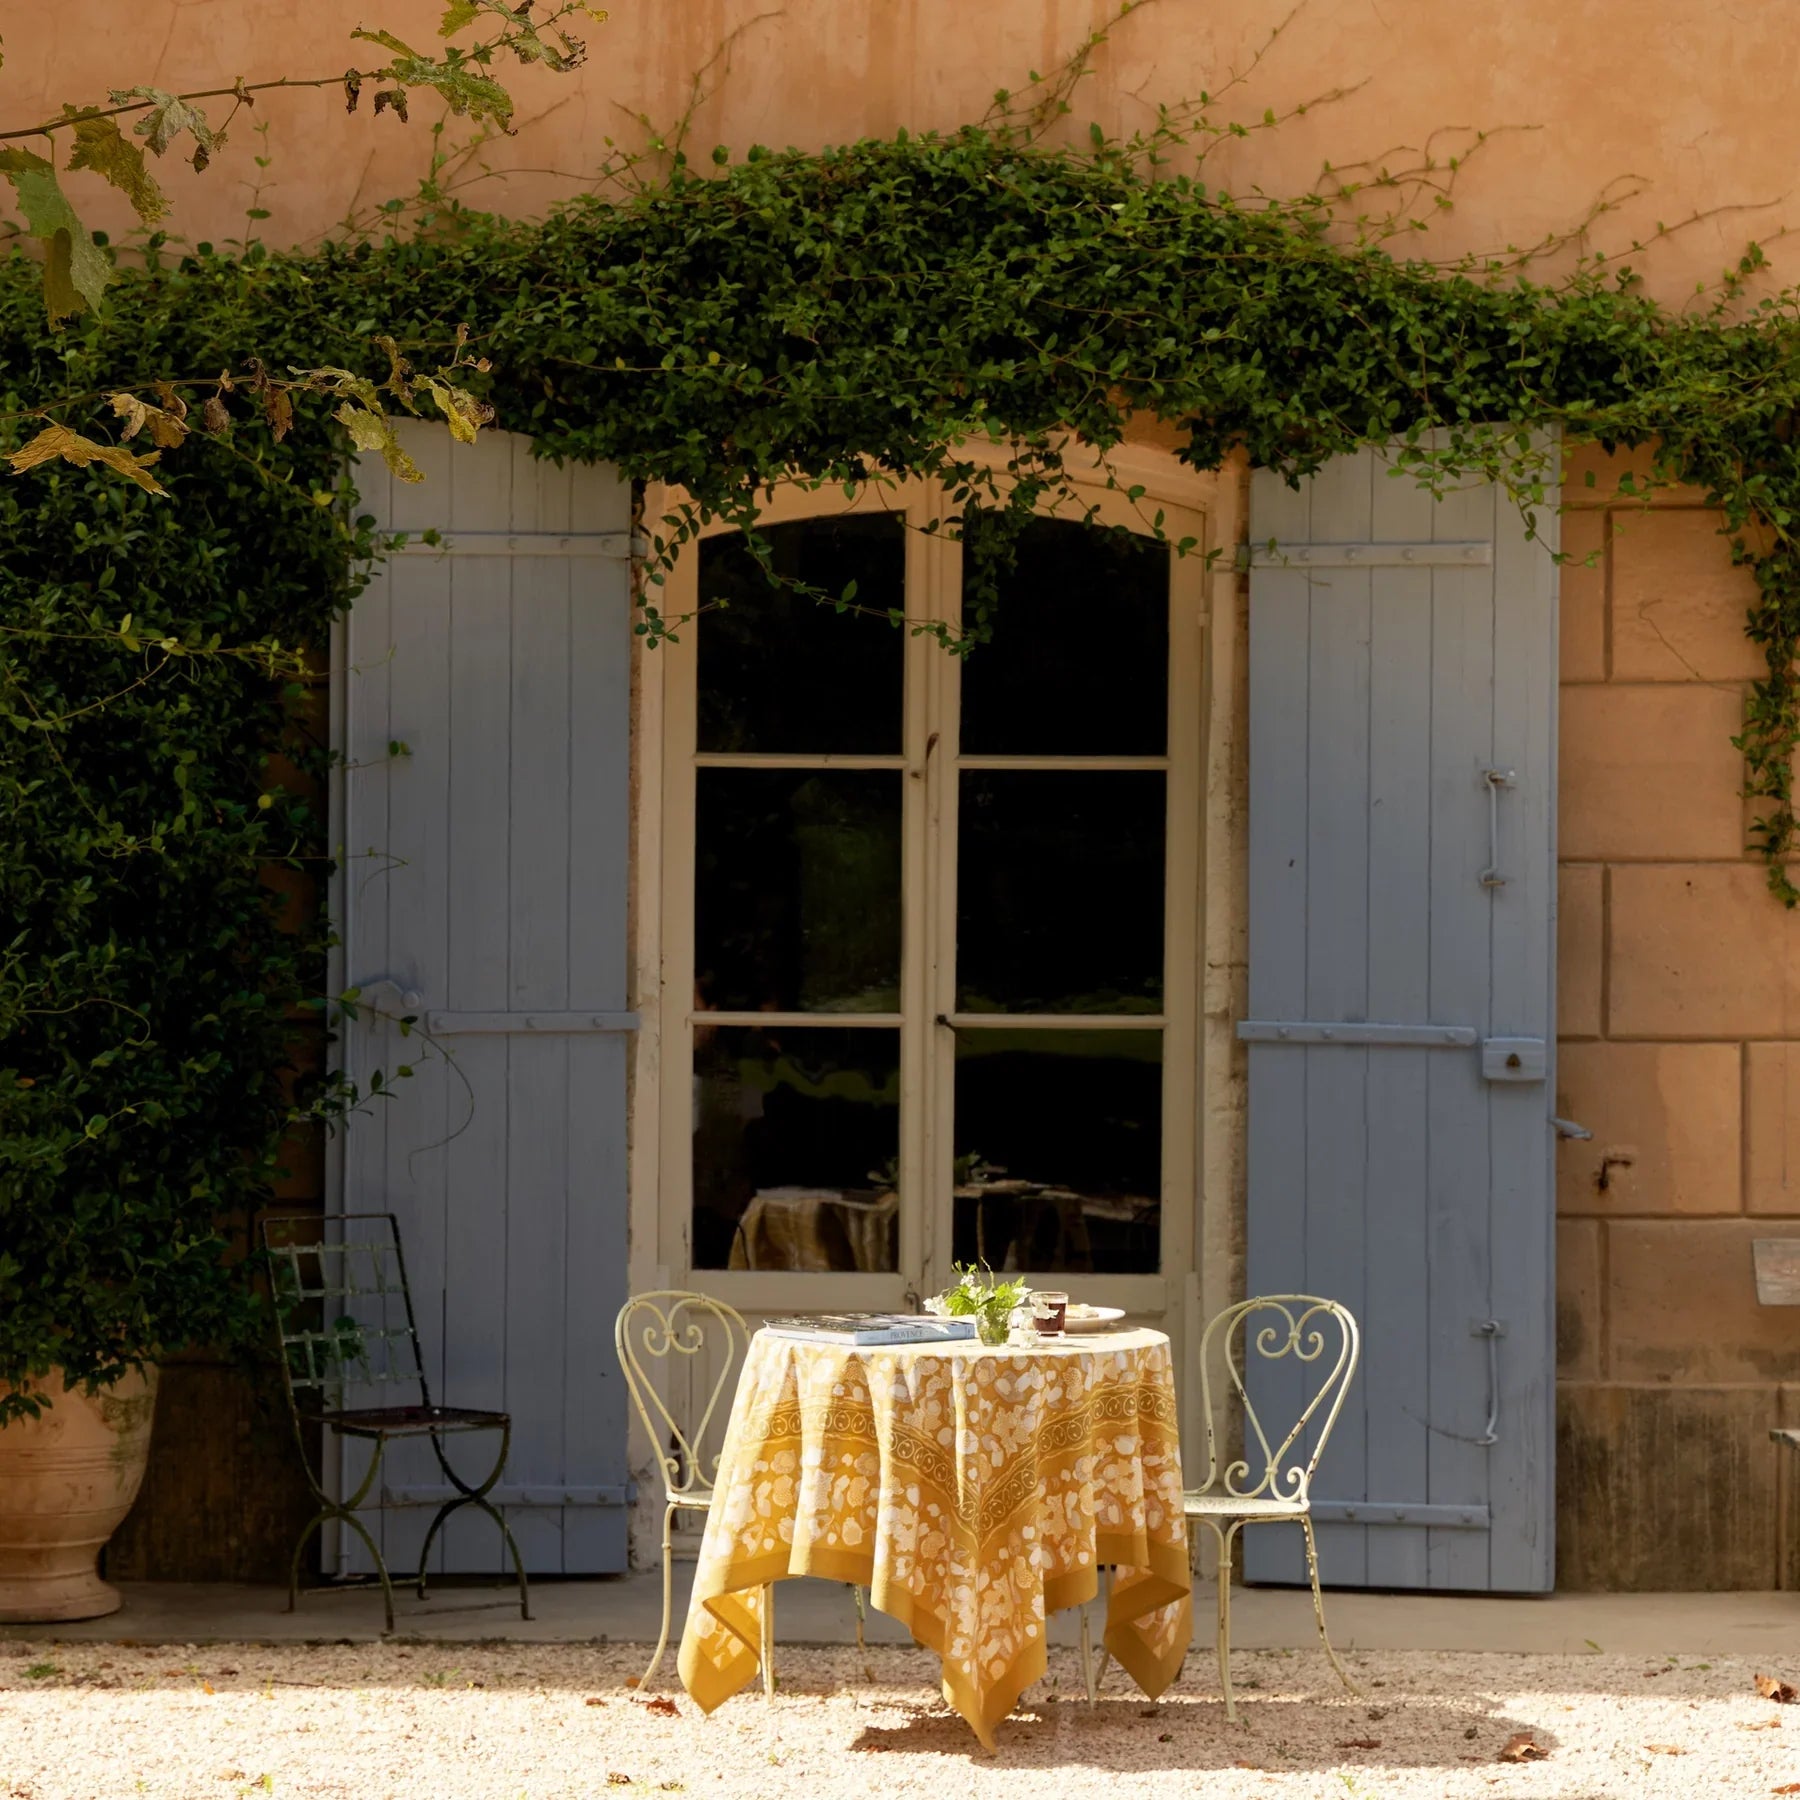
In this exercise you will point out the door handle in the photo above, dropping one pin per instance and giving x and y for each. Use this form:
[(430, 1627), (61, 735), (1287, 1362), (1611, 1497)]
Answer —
[(1495, 780)]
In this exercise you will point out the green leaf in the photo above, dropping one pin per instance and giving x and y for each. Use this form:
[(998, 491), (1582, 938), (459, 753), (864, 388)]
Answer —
[(76, 270), (102, 147), (468, 95), (457, 14), (387, 41)]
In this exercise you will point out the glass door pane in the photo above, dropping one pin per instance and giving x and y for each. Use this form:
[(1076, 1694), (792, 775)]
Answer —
[(1061, 807), (797, 890), (798, 919), (778, 672), (1059, 899), (1078, 660), (1059, 1150), (796, 1148)]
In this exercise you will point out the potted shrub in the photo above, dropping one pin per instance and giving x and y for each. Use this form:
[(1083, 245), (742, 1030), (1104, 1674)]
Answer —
[(153, 974), (118, 1188)]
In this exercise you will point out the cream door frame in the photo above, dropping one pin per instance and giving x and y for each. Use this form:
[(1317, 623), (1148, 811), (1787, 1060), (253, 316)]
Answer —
[(1202, 672)]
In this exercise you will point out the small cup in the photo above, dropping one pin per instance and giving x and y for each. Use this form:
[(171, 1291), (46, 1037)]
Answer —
[(1050, 1311)]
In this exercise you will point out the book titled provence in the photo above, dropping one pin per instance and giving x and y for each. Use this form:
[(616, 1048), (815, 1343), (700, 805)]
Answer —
[(872, 1328)]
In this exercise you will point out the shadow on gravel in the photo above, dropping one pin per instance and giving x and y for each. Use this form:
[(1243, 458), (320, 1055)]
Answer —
[(1275, 1735)]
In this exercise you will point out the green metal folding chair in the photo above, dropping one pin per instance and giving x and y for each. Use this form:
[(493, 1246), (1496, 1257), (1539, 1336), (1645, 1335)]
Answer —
[(344, 1316)]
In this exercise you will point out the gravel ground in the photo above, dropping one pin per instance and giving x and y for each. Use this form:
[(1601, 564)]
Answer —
[(531, 1722)]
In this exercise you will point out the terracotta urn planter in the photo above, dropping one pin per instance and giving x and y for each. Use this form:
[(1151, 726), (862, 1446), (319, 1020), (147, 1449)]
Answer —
[(67, 1480)]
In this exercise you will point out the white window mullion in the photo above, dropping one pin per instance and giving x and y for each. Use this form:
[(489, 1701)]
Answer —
[(940, 598)]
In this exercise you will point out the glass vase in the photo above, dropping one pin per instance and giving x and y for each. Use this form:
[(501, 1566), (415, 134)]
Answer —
[(992, 1329)]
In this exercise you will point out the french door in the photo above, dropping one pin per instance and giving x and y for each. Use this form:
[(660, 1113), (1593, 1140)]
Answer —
[(928, 939)]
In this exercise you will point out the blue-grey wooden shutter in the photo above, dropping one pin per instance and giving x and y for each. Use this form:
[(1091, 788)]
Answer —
[(1400, 1029), (485, 841)]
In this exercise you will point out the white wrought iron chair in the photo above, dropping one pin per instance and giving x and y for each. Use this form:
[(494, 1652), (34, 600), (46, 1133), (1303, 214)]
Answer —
[(652, 1328), (1320, 1335)]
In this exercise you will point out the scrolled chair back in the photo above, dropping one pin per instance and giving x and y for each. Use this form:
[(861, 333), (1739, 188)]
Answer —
[(656, 1328), (1324, 1342)]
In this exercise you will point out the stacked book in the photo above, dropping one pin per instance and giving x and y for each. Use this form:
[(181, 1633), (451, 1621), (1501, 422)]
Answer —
[(872, 1328)]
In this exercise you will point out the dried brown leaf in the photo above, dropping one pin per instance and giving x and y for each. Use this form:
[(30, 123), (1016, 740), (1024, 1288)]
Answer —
[(100, 146), (1665, 1749), (615, 1779), (133, 412), (1359, 1743), (58, 443), (593, 1700), (166, 430), (659, 1703), (1781, 1692), (1760, 1725), (1523, 1747), (1792, 1787)]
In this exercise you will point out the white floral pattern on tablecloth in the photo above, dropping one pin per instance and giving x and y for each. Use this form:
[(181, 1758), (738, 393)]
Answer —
[(972, 1491)]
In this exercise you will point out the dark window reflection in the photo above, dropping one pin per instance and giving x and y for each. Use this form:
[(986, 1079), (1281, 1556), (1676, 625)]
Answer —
[(796, 1146), (781, 672), (797, 890), (1059, 1151), (1079, 598), (1060, 891)]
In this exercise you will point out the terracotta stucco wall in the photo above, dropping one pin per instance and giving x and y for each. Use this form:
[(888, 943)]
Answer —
[(1691, 102), (1681, 979), (1679, 1017)]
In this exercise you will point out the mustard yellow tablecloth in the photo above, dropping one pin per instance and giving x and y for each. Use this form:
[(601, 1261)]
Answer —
[(972, 1491)]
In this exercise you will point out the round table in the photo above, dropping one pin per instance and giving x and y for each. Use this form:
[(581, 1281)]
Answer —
[(971, 1490)]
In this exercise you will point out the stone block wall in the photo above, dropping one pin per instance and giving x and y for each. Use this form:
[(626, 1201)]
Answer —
[(1679, 1023)]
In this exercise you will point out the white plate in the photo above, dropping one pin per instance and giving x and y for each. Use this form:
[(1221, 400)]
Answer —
[(1096, 1318)]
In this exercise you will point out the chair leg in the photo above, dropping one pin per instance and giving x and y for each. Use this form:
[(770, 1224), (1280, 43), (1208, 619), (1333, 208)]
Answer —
[(862, 1647), (662, 1642), (443, 1512), (387, 1587), (1312, 1569), (768, 1642), (506, 1535), (319, 1519), (478, 1498), (1225, 1535), (1093, 1668)]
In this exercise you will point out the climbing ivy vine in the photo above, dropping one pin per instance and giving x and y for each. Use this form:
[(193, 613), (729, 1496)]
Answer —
[(727, 324)]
